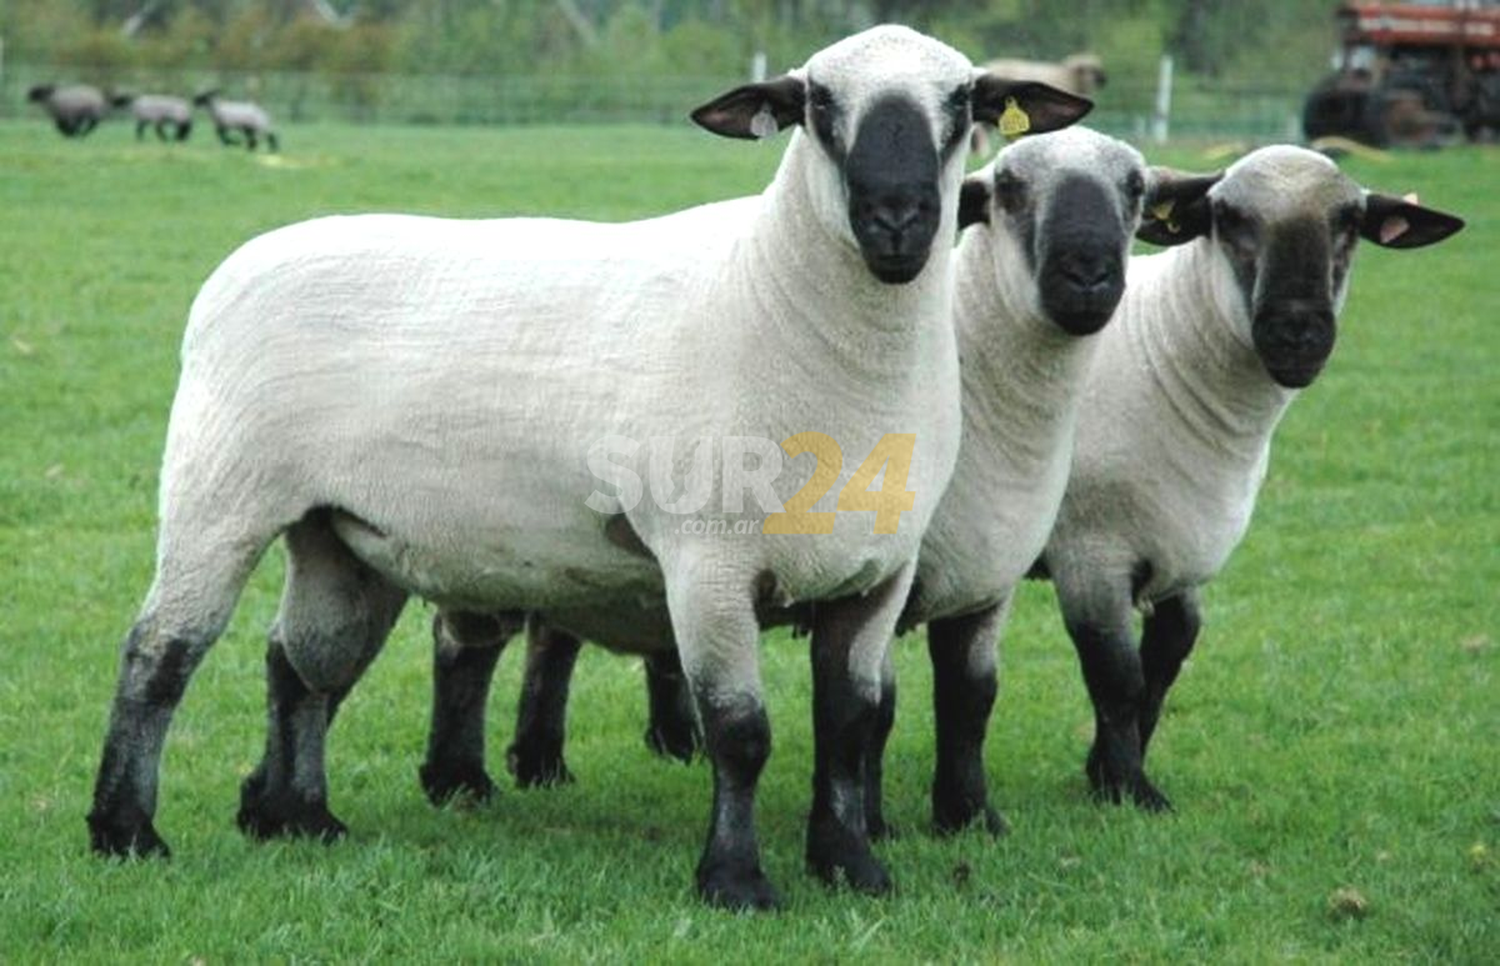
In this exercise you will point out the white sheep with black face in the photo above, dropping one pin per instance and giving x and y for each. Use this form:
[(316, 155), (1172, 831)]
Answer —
[(245, 118), (76, 109), (1212, 343), (170, 117), (416, 403), (1038, 275)]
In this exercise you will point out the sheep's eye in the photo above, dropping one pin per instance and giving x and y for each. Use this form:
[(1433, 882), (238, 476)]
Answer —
[(1010, 191), (820, 97), (1135, 186)]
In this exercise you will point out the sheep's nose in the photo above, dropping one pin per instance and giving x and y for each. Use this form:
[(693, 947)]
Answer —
[(1088, 272), (896, 216)]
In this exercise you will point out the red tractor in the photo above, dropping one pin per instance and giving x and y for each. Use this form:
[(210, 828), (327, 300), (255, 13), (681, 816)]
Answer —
[(1411, 74)]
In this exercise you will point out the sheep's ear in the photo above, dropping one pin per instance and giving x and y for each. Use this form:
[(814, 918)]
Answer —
[(1024, 107), (1175, 209), (756, 110), (1392, 222), (974, 201)]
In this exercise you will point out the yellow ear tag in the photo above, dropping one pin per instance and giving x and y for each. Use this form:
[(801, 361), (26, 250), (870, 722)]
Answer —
[(1163, 214), (1014, 122)]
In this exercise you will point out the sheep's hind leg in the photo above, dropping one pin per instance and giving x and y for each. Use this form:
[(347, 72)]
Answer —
[(465, 647), (335, 614), (1101, 633), (963, 651), (1170, 632), (672, 731), (851, 638), (535, 756), (190, 601)]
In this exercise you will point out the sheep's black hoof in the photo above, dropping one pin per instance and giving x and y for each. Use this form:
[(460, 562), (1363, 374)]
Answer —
[(265, 815), (1114, 789), (675, 739), (737, 890), (835, 855), (446, 781), (123, 840), (952, 819), (537, 768)]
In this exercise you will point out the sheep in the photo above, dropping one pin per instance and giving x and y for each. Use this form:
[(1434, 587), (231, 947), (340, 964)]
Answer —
[(76, 109), (339, 389), (159, 112), (248, 118), (1039, 274), (1214, 340)]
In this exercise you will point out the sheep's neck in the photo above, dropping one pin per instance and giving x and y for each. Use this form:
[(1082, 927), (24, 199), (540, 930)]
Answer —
[(1022, 375), (1180, 327), (811, 295)]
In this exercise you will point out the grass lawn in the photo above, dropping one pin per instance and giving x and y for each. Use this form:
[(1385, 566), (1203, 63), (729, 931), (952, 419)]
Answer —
[(1332, 747)]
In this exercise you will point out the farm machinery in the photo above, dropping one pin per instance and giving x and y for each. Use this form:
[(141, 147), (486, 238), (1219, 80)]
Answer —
[(1411, 74)]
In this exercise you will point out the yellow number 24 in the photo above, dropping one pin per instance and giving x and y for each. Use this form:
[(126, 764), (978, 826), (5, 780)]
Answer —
[(893, 451)]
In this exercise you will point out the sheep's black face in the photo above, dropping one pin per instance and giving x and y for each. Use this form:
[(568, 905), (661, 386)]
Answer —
[(1290, 272), (892, 174), (1080, 250)]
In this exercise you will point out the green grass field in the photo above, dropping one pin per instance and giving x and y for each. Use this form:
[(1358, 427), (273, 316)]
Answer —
[(1336, 730)]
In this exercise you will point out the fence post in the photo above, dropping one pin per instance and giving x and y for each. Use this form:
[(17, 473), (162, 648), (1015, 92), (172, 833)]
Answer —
[(1160, 126), (758, 67)]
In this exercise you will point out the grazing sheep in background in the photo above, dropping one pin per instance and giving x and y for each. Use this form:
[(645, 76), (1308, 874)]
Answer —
[(1212, 343), (339, 387), (1040, 273), (160, 112), (247, 118), (76, 109)]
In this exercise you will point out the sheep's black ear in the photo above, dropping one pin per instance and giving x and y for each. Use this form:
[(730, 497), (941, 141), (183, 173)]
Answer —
[(974, 201), (1392, 222), (1175, 209), (755, 110), (1024, 107)]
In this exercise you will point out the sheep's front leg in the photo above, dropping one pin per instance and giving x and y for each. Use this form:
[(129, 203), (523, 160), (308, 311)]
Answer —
[(140, 130), (850, 643), (964, 685), (465, 647), (1170, 632), (713, 619), (885, 720), (535, 757), (249, 138), (672, 731), (224, 135), (1099, 621)]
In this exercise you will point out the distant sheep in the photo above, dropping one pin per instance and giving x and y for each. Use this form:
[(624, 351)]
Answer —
[(76, 109), (1211, 344), (243, 117), (159, 112)]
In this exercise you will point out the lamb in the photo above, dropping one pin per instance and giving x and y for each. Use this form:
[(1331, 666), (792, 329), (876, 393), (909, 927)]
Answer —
[(247, 118), (76, 109), (339, 387), (1214, 340), (159, 112), (1036, 278)]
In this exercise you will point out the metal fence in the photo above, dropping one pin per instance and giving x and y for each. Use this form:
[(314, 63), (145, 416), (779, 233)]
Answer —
[(1200, 108)]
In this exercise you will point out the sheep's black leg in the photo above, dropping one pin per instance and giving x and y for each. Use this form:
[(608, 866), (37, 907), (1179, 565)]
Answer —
[(885, 720), (535, 757), (737, 735), (140, 130), (851, 640), (287, 794), (1116, 683), (672, 731), (184, 128), (465, 647), (335, 615), (224, 135), (272, 144), (161, 130), (86, 125), (249, 138), (964, 685), (1168, 637), (65, 126), (153, 674)]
